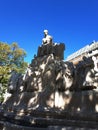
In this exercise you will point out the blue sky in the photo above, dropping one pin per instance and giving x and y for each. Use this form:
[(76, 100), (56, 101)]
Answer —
[(73, 22)]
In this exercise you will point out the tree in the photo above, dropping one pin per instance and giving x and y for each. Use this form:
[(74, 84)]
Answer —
[(11, 58)]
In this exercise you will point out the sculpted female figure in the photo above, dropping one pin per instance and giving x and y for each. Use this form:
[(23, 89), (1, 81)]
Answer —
[(47, 38)]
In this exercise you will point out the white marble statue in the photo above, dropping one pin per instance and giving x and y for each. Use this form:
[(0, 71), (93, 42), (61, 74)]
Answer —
[(47, 38)]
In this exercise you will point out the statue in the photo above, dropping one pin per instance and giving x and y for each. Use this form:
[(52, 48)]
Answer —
[(48, 47), (47, 38)]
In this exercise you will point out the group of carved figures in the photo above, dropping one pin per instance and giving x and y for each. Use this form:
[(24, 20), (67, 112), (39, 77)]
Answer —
[(48, 73)]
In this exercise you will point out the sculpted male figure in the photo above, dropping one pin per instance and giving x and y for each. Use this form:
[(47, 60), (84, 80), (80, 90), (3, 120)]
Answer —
[(47, 38)]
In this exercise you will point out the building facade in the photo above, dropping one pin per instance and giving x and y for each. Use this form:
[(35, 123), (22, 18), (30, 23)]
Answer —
[(90, 50)]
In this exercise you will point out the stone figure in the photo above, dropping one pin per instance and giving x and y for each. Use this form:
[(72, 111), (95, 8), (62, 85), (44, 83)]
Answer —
[(65, 75), (13, 82), (85, 74), (47, 38), (17, 81)]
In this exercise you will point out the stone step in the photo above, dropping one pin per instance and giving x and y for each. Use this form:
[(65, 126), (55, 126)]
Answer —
[(44, 122), (11, 126), (87, 116)]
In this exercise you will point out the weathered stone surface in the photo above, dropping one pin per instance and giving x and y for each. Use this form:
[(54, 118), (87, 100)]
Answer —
[(85, 101), (80, 112), (46, 77), (56, 49)]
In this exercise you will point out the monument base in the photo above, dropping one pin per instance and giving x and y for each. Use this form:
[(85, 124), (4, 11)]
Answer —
[(81, 112)]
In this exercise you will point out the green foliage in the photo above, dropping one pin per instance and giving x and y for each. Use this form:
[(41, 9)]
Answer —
[(11, 58)]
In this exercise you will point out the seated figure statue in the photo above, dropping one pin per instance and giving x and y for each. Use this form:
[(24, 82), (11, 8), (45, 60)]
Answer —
[(47, 38), (49, 47)]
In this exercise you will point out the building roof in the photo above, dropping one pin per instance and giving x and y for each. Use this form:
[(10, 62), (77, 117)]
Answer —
[(86, 49)]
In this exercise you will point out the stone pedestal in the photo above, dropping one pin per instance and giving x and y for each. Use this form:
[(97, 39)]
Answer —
[(80, 109)]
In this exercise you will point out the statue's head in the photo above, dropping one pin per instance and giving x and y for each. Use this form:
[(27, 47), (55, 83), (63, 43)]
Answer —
[(45, 31)]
